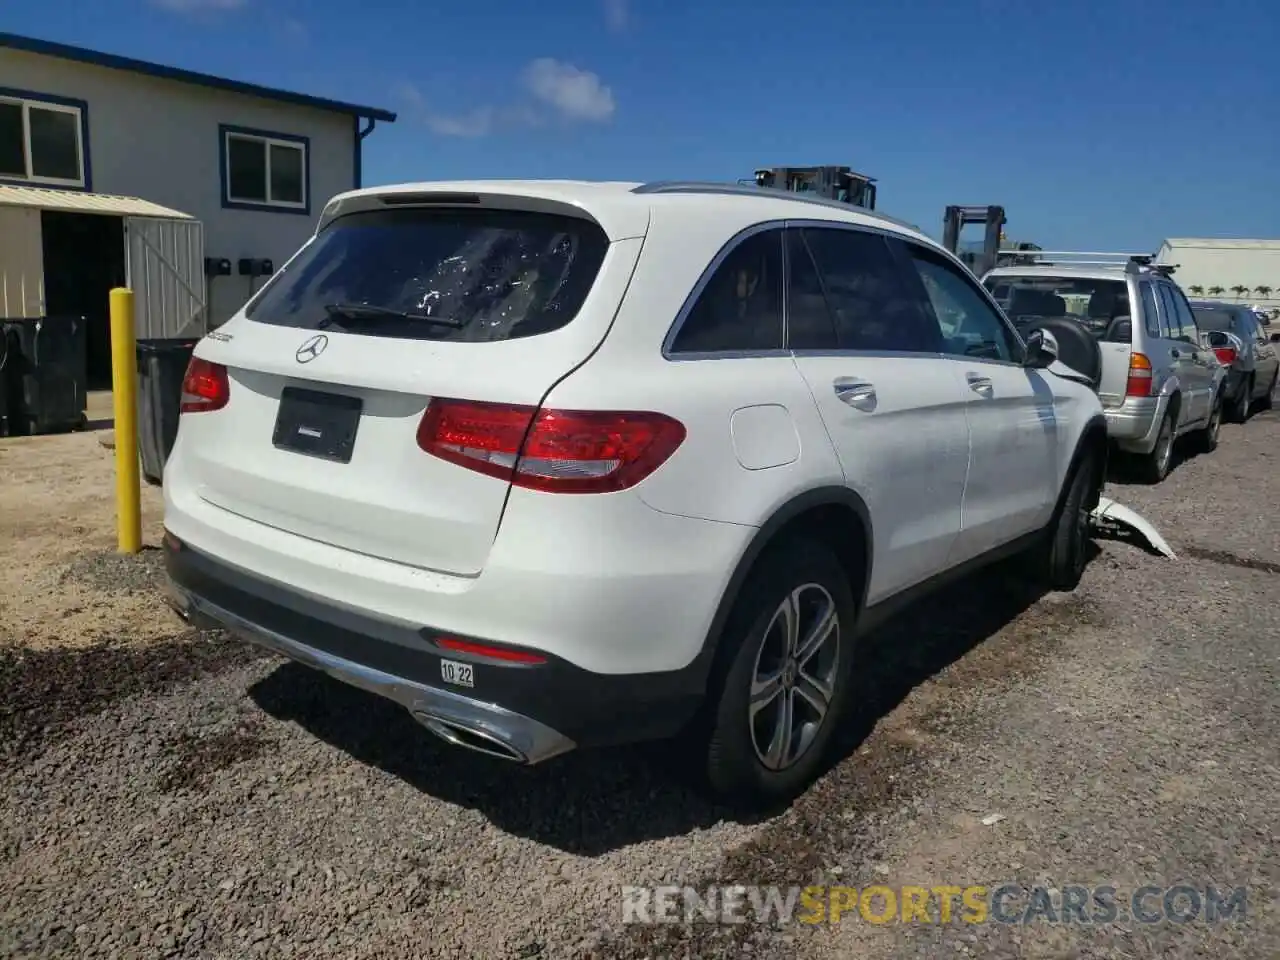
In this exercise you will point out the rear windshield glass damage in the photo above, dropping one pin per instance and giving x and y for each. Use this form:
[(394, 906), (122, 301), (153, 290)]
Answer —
[(469, 275), (1096, 303)]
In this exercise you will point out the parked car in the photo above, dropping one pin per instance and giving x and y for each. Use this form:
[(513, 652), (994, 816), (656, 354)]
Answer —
[(557, 464), (1159, 380), (1244, 348)]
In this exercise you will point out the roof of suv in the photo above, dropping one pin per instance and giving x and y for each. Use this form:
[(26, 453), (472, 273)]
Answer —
[(622, 208)]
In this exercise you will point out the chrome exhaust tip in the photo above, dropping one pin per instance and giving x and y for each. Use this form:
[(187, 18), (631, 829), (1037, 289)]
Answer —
[(470, 738)]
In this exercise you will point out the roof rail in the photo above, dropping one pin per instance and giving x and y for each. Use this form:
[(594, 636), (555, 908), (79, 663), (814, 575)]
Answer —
[(751, 190), (1086, 258)]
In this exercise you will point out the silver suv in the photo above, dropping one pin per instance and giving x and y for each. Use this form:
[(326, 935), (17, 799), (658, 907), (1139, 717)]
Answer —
[(1159, 379)]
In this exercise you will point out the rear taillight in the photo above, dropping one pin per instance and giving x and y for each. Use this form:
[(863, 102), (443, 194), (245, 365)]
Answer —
[(557, 451), (1139, 382), (1226, 355), (205, 387)]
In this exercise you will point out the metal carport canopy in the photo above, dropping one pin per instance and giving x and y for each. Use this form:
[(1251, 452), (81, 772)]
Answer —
[(76, 201)]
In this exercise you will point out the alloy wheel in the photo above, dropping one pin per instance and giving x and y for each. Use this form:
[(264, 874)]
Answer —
[(793, 680)]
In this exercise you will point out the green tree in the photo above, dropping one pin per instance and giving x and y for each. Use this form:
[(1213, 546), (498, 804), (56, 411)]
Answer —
[(1263, 291), (1239, 290), (1196, 289), (1216, 291)]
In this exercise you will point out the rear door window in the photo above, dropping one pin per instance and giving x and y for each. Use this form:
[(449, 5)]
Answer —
[(1187, 330), (740, 307), (867, 297), (1150, 316), (456, 274), (1168, 315)]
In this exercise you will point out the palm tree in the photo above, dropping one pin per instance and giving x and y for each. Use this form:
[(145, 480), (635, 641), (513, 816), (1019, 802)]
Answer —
[(1197, 289), (1239, 290), (1263, 291), (1216, 291)]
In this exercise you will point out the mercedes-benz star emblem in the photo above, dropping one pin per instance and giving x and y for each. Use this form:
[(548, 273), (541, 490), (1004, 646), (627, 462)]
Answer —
[(312, 348)]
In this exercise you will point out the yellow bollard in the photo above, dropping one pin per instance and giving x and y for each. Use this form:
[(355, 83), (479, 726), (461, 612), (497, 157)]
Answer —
[(124, 394)]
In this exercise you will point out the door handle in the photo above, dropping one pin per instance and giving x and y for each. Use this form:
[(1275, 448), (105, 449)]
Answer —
[(856, 393), (979, 384)]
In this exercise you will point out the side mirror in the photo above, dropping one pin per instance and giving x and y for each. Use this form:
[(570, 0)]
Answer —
[(1216, 338), (1275, 338), (1042, 350)]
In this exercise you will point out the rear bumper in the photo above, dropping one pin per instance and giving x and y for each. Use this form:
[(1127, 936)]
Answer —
[(524, 712), (1135, 424)]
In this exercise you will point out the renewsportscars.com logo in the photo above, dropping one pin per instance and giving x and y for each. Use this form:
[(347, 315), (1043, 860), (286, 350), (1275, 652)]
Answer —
[(1009, 903)]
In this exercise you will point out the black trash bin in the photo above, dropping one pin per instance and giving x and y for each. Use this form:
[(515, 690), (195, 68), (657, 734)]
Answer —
[(48, 374), (162, 366)]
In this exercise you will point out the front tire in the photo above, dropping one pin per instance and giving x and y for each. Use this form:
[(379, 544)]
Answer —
[(779, 699)]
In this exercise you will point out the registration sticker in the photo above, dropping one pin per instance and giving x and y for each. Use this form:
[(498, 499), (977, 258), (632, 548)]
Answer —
[(459, 674)]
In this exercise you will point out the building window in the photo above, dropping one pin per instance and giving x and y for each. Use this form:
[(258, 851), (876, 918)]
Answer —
[(41, 140), (263, 170)]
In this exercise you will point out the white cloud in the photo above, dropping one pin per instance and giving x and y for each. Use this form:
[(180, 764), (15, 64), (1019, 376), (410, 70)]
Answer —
[(558, 91), (198, 6), (616, 14), (574, 94)]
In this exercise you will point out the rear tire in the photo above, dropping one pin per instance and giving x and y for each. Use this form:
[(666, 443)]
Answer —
[(1207, 439), (762, 754), (1240, 405), (1268, 399), (1154, 466), (1065, 549)]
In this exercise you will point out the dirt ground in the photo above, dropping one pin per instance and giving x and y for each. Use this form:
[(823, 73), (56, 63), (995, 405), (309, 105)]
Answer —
[(170, 793), (61, 581)]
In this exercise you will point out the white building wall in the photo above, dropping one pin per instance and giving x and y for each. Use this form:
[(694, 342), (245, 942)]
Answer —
[(1226, 263), (159, 140)]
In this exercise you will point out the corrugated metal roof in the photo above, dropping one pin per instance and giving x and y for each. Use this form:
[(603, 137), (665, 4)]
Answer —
[(1223, 244), (77, 201)]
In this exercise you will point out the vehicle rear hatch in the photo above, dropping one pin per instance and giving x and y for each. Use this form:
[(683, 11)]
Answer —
[(1099, 303), (489, 298)]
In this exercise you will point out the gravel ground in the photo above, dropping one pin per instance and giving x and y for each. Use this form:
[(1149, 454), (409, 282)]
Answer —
[(170, 793)]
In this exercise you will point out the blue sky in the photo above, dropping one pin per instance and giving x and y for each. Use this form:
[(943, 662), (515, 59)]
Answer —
[(1099, 125)]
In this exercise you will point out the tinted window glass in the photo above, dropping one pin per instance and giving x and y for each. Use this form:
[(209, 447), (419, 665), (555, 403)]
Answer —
[(470, 275), (247, 169), (741, 306), (970, 326), (1095, 302), (1150, 316), (1187, 329), (13, 151), (1168, 316), (1211, 318), (55, 144), (286, 174), (862, 282), (809, 322)]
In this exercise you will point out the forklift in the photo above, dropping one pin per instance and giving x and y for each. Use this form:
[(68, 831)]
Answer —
[(832, 182), (994, 252)]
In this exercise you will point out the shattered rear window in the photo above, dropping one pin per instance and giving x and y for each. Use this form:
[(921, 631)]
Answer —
[(438, 274)]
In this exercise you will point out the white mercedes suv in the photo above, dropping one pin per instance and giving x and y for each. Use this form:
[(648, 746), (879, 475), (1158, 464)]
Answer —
[(563, 464)]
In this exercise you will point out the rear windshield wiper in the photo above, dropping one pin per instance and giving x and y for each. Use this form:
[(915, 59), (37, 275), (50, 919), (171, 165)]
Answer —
[(359, 313)]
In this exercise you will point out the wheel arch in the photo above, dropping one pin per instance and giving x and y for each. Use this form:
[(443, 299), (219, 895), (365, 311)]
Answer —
[(836, 515)]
